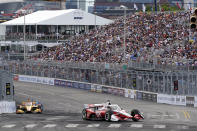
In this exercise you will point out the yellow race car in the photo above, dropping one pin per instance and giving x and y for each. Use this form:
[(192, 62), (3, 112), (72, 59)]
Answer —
[(29, 107)]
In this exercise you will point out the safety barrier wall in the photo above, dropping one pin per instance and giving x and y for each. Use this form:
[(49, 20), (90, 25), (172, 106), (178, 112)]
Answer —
[(190, 101), (34, 79), (7, 107)]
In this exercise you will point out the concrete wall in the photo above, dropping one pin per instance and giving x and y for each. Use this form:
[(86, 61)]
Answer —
[(6, 86)]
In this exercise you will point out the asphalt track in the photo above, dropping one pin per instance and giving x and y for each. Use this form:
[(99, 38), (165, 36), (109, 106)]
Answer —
[(63, 108)]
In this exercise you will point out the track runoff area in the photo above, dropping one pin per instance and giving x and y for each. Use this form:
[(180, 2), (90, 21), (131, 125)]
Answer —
[(63, 106)]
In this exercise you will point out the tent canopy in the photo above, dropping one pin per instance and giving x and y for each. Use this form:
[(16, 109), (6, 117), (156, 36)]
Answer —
[(59, 17)]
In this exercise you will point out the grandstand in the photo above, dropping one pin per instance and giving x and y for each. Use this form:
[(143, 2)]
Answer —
[(161, 38)]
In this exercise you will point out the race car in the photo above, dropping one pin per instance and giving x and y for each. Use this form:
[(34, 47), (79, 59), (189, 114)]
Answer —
[(109, 112), (29, 107)]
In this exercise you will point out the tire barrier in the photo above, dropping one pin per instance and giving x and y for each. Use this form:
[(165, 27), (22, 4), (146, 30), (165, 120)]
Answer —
[(7, 107), (190, 101)]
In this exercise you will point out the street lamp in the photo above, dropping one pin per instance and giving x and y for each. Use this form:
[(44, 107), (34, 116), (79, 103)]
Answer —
[(95, 20), (2, 12), (24, 33), (124, 42)]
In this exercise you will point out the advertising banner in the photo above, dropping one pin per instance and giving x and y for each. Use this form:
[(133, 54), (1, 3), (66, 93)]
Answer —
[(195, 104), (75, 85), (24, 78), (88, 86), (99, 89), (104, 89), (93, 88), (129, 93), (15, 78), (171, 99), (110, 90), (149, 96), (69, 84), (63, 83), (190, 101), (139, 95), (121, 92), (167, 99), (181, 100), (81, 86), (57, 82), (35, 79), (115, 91)]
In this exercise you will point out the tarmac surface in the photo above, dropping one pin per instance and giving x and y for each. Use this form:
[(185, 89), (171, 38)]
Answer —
[(63, 106)]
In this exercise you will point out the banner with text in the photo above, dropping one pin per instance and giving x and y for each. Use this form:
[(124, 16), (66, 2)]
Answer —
[(130, 93), (171, 99), (35, 79), (195, 104)]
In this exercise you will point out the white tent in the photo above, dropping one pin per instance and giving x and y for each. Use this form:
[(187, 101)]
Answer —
[(59, 17)]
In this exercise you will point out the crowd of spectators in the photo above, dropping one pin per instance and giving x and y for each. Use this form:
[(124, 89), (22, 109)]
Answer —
[(163, 38)]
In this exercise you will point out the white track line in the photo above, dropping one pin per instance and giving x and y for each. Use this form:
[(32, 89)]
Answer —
[(137, 125), (183, 127), (9, 126), (93, 125), (31, 125), (159, 126), (49, 126), (71, 125), (114, 125)]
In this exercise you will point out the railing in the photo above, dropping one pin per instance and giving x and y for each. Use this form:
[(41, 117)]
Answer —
[(110, 74)]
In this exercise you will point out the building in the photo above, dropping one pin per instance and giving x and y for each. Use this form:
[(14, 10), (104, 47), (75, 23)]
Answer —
[(77, 4), (58, 26), (10, 9), (112, 7)]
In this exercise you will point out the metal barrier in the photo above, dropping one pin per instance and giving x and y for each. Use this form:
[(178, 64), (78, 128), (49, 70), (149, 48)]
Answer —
[(6, 86), (111, 75)]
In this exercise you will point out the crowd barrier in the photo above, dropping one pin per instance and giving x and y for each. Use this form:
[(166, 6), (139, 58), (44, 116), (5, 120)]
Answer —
[(7, 107), (190, 101)]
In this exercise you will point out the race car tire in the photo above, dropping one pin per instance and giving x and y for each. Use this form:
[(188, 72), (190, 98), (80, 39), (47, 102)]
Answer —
[(41, 108), (133, 113), (84, 114), (93, 117), (108, 116)]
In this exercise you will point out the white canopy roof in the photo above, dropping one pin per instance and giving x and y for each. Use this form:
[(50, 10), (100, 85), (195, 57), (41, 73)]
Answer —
[(60, 17)]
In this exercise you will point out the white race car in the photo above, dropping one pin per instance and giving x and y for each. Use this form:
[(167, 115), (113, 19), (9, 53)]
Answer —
[(109, 112)]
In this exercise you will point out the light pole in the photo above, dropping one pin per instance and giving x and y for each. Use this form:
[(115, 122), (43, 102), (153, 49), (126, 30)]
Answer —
[(24, 32), (2, 12), (124, 41), (95, 20)]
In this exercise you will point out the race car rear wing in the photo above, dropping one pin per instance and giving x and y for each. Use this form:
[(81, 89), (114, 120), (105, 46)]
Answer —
[(92, 105)]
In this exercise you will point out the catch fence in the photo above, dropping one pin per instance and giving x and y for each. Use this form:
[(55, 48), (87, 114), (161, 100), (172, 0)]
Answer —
[(167, 82)]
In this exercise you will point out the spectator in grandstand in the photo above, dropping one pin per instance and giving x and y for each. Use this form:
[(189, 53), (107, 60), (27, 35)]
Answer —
[(154, 38)]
